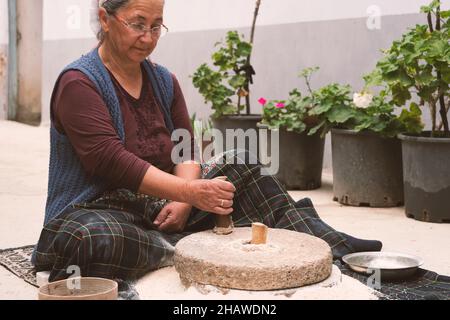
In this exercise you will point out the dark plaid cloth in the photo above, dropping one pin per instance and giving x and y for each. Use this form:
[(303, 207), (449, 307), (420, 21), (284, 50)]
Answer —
[(113, 237), (424, 285)]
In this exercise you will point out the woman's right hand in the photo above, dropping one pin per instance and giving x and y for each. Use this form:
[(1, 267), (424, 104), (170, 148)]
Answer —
[(207, 195)]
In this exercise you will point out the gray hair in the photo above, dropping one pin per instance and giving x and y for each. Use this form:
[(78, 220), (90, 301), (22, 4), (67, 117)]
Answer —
[(111, 7)]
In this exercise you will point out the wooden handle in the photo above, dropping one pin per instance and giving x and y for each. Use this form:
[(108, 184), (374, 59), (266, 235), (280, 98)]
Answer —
[(259, 233), (224, 224), (223, 221)]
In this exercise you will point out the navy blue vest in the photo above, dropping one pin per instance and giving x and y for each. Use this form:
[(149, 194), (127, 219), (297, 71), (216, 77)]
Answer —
[(68, 183)]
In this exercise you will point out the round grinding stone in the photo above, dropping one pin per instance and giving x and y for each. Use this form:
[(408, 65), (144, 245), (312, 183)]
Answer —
[(289, 260)]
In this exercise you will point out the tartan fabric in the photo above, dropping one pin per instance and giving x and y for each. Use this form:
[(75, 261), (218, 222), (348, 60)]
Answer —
[(424, 285), (113, 236)]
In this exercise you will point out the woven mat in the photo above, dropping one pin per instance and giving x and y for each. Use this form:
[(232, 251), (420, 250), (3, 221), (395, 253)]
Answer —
[(17, 261), (425, 285)]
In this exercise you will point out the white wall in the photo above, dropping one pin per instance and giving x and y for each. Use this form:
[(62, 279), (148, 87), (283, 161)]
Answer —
[(182, 15), (66, 19), (69, 19), (3, 22)]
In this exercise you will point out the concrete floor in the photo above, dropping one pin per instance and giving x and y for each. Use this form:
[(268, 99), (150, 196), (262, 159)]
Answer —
[(23, 182)]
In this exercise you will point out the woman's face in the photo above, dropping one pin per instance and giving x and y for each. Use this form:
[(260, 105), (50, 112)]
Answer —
[(128, 43)]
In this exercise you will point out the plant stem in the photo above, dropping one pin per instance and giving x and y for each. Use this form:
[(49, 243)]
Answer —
[(438, 17), (430, 22), (255, 16), (252, 37), (443, 110), (432, 104), (236, 71), (308, 85), (239, 105), (447, 108)]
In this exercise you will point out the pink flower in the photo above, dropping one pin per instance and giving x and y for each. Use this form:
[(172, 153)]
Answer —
[(262, 101), (280, 105)]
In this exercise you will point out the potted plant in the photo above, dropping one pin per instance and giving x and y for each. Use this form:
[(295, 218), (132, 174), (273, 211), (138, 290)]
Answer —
[(416, 70), (300, 154), (362, 134), (227, 89), (367, 157)]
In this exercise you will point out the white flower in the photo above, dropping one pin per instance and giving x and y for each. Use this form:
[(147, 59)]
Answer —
[(362, 100)]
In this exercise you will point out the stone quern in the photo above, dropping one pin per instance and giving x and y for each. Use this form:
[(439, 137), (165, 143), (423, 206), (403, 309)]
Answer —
[(289, 259)]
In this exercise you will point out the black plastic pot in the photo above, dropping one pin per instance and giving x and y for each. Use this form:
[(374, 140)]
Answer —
[(367, 169), (426, 173), (234, 122), (300, 159), (237, 122)]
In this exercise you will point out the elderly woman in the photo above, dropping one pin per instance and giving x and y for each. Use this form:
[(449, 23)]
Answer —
[(117, 204)]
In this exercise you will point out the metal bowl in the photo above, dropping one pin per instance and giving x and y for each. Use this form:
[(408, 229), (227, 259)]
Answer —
[(392, 265)]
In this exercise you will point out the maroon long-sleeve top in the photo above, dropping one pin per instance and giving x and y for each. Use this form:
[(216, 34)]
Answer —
[(79, 112)]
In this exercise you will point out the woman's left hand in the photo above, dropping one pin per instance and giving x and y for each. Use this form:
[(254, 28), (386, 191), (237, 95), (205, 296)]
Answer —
[(173, 217)]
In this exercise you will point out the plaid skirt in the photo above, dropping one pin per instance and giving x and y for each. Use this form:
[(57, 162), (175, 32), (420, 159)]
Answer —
[(113, 236)]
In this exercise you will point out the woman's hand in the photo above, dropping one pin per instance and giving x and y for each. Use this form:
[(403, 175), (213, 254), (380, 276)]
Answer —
[(215, 196), (173, 217)]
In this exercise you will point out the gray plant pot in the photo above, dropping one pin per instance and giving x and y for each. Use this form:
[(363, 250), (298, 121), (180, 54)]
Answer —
[(301, 159), (367, 169), (234, 122), (426, 174)]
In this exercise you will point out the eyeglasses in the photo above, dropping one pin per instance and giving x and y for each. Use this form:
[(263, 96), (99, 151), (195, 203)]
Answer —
[(140, 29)]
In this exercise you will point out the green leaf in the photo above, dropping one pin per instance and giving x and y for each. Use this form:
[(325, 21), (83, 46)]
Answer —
[(400, 95), (446, 76), (425, 9), (425, 77), (431, 7), (307, 72), (314, 130), (426, 92), (410, 121), (244, 49), (405, 79), (374, 78), (237, 81), (363, 126), (322, 108), (438, 47), (415, 109), (340, 115)]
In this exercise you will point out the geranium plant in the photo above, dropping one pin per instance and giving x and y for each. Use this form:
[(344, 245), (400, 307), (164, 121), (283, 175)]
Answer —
[(416, 69), (315, 112), (226, 86), (219, 86), (332, 106), (364, 112), (291, 114), (378, 116)]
